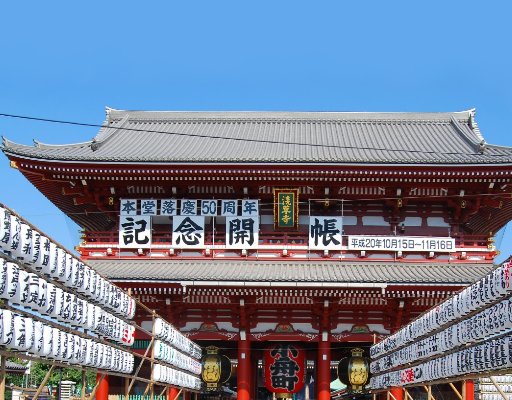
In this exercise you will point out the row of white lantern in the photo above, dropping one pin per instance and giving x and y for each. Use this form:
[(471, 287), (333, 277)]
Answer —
[(41, 254), (20, 333), (32, 292), (490, 322), (172, 376), (490, 288), (491, 396), (498, 378), (163, 352), (493, 355), (166, 332), (491, 388)]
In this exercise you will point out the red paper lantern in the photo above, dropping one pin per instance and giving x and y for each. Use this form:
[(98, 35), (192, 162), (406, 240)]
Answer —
[(285, 368)]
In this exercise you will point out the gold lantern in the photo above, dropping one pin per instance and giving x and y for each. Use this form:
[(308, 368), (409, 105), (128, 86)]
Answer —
[(354, 371), (216, 368)]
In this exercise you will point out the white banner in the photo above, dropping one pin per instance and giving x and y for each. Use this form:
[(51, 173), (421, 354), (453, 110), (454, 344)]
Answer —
[(135, 231), (187, 232), (402, 243), (325, 233), (242, 232)]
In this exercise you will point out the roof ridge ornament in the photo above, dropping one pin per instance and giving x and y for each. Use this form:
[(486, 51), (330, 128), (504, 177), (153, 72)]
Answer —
[(474, 125)]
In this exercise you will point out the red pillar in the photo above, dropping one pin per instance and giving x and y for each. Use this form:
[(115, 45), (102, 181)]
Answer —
[(397, 392), (323, 380), (186, 395), (102, 392), (244, 370), (469, 388), (172, 393)]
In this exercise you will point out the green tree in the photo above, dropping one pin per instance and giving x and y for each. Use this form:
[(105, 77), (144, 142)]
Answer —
[(39, 370)]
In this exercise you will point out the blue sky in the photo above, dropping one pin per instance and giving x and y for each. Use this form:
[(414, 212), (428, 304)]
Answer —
[(68, 60)]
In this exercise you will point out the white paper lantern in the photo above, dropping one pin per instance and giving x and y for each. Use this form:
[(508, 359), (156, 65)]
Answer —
[(74, 318), (19, 342), (106, 297), (58, 268), (5, 228), (46, 350), (24, 250), (86, 281), (49, 254), (67, 305), (156, 372), (54, 263), (7, 337), (70, 347), (29, 333), (3, 278), (71, 270), (21, 295), (100, 289), (78, 276), (13, 277), (13, 245), (89, 310), (37, 345), (35, 250), (81, 312), (89, 352), (92, 283), (131, 309), (59, 303), (56, 345), (42, 299), (97, 317), (32, 300)]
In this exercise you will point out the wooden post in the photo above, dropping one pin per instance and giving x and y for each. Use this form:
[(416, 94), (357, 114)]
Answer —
[(84, 384), (2, 377), (459, 395), (43, 383), (139, 367)]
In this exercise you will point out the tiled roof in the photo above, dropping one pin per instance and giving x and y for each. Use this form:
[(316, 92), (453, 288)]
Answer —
[(298, 272), (14, 367), (279, 137)]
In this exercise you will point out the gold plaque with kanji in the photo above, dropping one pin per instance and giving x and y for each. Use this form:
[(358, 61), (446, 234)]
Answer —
[(286, 209)]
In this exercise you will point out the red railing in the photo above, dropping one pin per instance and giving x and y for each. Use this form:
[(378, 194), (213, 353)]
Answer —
[(266, 238)]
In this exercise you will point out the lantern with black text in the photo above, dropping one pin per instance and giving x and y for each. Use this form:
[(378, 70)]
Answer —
[(216, 368), (354, 371), (285, 369)]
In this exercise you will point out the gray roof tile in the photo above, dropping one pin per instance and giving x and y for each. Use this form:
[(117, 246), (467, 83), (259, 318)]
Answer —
[(279, 137), (314, 272)]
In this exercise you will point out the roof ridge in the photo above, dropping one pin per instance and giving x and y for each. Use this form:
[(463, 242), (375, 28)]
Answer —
[(290, 115)]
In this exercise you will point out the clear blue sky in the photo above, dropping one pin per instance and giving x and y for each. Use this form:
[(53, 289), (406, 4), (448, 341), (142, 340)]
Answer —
[(68, 60)]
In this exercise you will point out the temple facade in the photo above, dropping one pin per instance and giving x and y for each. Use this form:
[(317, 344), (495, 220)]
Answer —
[(257, 231)]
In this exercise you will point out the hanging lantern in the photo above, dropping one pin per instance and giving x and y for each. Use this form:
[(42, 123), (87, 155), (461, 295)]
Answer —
[(37, 345), (285, 369), (216, 368), (24, 249), (13, 243), (47, 258), (354, 371), (5, 228), (7, 331)]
